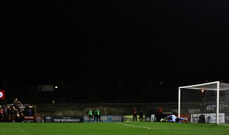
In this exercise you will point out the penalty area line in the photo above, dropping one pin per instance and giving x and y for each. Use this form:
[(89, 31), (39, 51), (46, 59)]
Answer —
[(134, 126)]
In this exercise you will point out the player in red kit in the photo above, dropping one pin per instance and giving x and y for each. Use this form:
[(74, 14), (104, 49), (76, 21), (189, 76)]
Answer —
[(135, 113)]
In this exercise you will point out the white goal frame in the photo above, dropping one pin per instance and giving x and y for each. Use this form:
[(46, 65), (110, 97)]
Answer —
[(203, 86)]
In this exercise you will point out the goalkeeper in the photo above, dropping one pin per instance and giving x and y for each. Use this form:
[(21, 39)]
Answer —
[(173, 119)]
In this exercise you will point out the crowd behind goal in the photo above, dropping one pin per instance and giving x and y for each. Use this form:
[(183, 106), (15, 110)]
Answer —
[(15, 112)]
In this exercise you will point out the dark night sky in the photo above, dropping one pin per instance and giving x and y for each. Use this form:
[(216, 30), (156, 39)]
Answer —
[(111, 44)]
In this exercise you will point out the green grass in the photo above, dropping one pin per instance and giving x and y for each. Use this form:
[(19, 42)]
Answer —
[(138, 128)]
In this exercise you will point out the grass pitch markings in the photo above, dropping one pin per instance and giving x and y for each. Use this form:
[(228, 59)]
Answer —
[(134, 126)]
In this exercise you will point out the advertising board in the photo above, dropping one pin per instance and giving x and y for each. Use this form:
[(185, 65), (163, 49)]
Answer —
[(63, 119), (209, 118), (104, 119)]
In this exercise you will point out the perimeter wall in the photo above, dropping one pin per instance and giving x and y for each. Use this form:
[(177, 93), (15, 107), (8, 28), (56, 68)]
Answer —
[(109, 108)]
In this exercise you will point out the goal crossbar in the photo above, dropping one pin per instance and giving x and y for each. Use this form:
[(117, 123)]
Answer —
[(207, 86)]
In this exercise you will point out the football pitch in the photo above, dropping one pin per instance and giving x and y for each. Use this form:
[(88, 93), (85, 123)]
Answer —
[(137, 128)]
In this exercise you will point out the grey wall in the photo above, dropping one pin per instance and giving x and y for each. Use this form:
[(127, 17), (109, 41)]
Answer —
[(111, 108)]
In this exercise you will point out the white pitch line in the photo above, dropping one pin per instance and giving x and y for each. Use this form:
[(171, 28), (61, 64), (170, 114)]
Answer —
[(137, 126)]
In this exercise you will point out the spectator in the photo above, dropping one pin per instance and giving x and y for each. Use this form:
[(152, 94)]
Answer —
[(135, 113), (98, 115), (152, 114), (159, 114), (9, 113), (141, 115), (90, 115), (1, 113), (5, 113), (29, 111), (95, 115), (201, 119)]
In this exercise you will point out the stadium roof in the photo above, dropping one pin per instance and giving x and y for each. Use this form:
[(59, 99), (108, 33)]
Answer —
[(208, 86)]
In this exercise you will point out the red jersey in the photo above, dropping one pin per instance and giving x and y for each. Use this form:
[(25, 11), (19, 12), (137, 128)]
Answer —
[(135, 111)]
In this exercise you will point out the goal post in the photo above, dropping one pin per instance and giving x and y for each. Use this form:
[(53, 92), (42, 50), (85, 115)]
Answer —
[(210, 99)]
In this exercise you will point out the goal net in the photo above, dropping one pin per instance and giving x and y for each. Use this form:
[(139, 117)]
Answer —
[(210, 100)]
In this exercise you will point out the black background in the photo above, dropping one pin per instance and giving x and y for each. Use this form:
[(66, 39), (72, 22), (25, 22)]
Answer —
[(112, 51)]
